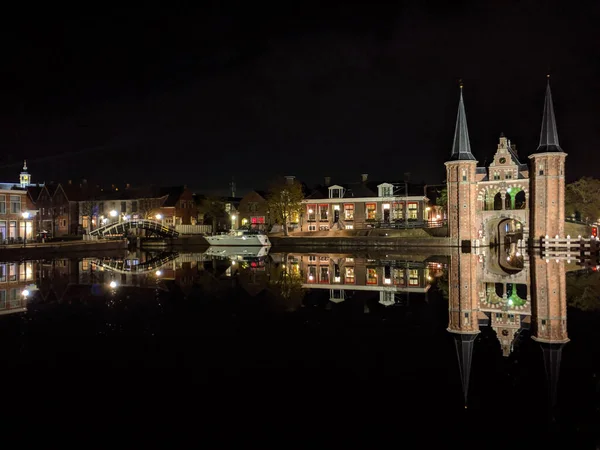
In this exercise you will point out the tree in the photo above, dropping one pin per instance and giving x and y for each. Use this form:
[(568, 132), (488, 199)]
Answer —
[(285, 200), (147, 206), (212, 208), (582, 199), (442, 199)]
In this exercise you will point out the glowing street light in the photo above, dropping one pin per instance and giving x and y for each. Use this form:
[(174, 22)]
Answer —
[(25, 293), (158, 273), (113, 213), (25, 215), (113, 284)]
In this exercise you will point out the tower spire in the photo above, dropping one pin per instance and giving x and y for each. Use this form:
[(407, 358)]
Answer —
[(548, 135), (25, 165), (461, 149)]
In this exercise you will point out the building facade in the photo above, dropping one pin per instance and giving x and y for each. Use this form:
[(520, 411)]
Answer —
[(362, 205), (253, 210), (508, 201)]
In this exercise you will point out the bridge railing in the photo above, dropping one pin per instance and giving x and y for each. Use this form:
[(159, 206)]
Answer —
[(122, 227)]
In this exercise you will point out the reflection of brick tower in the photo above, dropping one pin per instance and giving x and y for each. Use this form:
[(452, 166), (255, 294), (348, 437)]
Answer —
[(549, 302), (547, 173), (461, 183), (463, 310)]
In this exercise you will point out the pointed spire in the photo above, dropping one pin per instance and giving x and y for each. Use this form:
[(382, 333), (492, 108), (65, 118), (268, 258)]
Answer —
[(548, 135), (464, 351), (461, 149), (25, 166)]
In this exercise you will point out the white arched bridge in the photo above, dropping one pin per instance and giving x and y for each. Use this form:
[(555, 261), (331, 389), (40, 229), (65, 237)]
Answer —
[(121, 228)]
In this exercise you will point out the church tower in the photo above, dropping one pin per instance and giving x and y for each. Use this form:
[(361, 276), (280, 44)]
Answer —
[(547, 174), (25, 177), (461, 184)]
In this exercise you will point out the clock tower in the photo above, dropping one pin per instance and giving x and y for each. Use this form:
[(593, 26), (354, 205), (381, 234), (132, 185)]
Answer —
[(25, 177)]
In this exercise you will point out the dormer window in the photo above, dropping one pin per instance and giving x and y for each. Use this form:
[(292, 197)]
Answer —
[(336, 192), (386, 190)]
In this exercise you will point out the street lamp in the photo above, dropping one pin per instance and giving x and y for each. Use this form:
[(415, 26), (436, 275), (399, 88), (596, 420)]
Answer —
[(113, 284), (113, 213), (25, 293)]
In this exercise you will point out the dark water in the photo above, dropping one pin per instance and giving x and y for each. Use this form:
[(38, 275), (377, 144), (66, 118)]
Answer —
[(310, 349)]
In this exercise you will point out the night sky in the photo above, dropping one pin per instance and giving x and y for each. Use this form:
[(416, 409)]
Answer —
[(249, 90)]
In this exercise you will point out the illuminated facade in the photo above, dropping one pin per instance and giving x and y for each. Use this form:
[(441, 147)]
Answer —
[(508, 201)]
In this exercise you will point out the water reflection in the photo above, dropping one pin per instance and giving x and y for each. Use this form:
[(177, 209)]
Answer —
[(503, 292)]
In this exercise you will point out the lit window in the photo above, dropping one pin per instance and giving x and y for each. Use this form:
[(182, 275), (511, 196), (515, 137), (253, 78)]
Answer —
[(371, 211), (371, 275), (349, 211), (311, 212), (349, 275), (323, 213)]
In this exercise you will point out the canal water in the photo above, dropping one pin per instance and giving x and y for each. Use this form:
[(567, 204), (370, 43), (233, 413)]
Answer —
[(310, 348)]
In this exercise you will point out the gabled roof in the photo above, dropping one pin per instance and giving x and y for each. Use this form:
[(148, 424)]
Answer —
[(173, 194), (263, 194), (367, 189), (34, 192)]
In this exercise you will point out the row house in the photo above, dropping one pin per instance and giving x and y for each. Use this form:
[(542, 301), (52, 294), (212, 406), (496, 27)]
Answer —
[(18, 212), (103, 206), (17, 215), (363, 204), (179, 207), (253, 210)]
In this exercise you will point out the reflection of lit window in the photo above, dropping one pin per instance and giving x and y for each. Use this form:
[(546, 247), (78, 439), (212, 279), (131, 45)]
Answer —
[(412, 210), (12, 272), (349, 260), (312, 258), (312, 274), (29, 271), (398, 277), (2, 273), (311, 211), (324, 277), (371, 275), (350, 275), (3, 299), (85, 264), (413, 277)]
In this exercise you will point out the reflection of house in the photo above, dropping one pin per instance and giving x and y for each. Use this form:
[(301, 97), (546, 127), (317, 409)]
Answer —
[(356, 205), (15, 278), (331, 271), (254, 209)]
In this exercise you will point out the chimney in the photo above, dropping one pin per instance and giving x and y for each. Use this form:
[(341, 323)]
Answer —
[(327, 181), (364, 177), (289, 179)]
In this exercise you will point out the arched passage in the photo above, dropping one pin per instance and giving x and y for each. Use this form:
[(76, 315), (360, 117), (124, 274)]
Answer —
[(520, 202), (498, 202)]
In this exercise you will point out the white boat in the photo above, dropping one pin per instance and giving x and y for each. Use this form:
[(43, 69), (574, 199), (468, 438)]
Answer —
[(245, 238), (238, 253)]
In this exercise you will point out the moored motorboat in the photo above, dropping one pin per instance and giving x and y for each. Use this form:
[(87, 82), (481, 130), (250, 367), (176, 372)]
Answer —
[(241, 237)]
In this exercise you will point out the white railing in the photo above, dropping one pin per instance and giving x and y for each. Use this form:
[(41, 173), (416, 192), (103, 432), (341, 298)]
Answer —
[(193, 229)]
